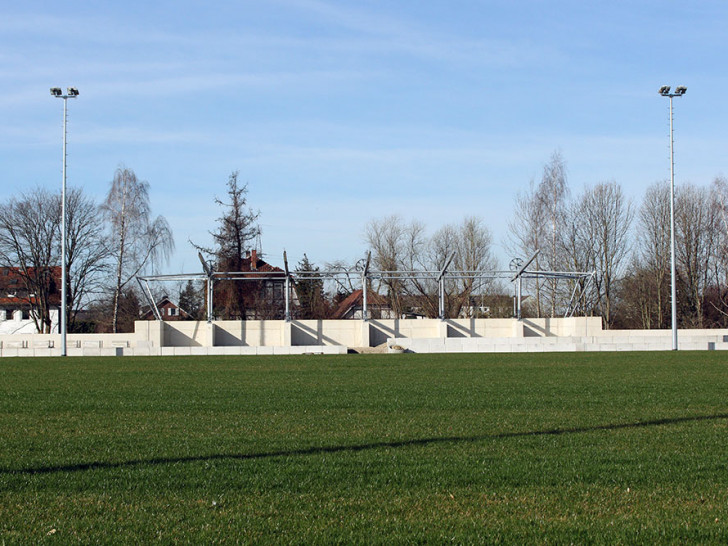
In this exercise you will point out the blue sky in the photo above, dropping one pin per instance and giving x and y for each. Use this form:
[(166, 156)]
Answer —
[(337, 112)]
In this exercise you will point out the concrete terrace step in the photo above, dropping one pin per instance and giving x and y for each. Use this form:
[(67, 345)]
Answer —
[(561, 344), (178, 351)]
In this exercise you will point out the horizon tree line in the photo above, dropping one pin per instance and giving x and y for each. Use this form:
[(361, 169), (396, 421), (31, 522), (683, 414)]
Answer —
[(598, 229)]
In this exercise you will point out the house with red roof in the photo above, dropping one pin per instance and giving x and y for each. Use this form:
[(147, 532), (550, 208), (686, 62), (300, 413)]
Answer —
[(168, 310), (20, 305), (258, 294), (352, 307)]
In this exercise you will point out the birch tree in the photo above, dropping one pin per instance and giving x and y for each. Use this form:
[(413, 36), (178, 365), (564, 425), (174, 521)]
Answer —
[(538, 223), (137, 240), (552, 194), (527, 232)]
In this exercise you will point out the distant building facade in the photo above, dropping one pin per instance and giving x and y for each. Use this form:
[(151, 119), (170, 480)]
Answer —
[(18, 305)]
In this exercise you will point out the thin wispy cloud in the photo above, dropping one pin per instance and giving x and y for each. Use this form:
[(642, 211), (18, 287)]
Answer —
[(356, 109), (378, 32)]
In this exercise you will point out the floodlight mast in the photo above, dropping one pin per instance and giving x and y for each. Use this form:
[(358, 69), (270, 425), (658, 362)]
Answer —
[(679, 92), (72, 92)]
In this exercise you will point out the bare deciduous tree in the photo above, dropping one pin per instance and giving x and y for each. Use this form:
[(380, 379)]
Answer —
[(720, 260), (87, 252), (472, 253), (538, 223), (552, 194), (394, 246), (696, 226), (578, 254), (397, 246), (137, 240), (607, 215), (29, 228), (653, 254), (527, 232)]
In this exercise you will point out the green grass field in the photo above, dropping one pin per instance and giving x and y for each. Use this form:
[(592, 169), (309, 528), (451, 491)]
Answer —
[(548, 448)]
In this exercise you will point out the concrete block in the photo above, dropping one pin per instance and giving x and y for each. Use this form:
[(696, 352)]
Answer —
[(434, 343), (454, 343)]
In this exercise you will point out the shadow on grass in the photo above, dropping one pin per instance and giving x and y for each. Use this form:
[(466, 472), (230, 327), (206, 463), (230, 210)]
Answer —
[(80, 467)]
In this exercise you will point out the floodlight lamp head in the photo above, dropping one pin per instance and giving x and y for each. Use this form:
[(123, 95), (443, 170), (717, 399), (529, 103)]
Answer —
[(72, 92), (56, 91), (665, 90), (680, 90)]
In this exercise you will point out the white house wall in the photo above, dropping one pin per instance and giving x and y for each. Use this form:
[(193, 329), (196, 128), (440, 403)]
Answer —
[(11, 322)]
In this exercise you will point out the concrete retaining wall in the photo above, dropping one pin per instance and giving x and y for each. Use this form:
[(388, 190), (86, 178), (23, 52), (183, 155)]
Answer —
[(335, 336), (638, 340)]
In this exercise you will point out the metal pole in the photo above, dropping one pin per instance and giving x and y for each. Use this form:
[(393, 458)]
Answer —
[(288, 299), (209, 299), (364, 282), (73, 93), (287, 313), (679, 92), (64, 273), (673, 288), (441, 298)]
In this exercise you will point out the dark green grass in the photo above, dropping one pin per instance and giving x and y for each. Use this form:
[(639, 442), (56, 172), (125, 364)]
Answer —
[(553, 448)]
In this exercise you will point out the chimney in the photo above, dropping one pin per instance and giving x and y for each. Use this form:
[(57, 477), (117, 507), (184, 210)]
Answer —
[(254, 260)]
